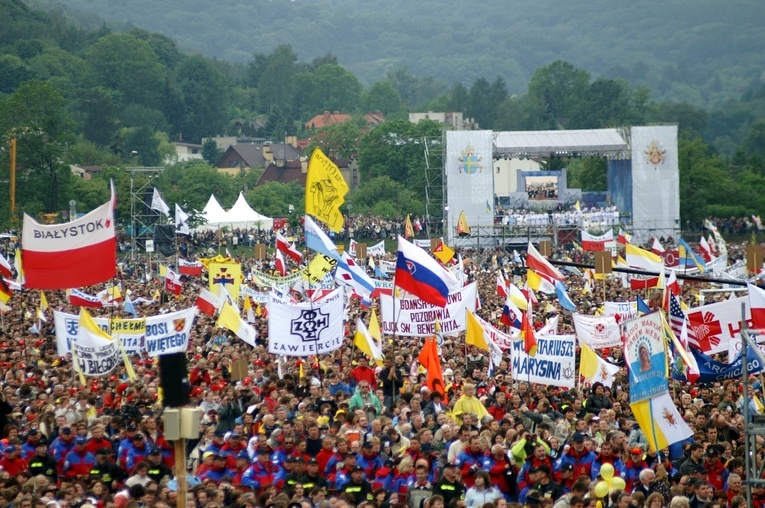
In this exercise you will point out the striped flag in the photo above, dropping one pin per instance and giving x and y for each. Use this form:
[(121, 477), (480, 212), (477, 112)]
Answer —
[(676, 320)]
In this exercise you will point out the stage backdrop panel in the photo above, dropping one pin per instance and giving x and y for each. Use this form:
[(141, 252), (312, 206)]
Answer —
[(655, 182), (469, 180)]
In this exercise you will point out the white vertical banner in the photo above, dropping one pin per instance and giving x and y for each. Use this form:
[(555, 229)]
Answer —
[(469, 179), (655, 182)]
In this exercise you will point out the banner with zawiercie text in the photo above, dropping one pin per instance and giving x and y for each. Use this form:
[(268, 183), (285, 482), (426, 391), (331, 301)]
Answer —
[(305, 329)]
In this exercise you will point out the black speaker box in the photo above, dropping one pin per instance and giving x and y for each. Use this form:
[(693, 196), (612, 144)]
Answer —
[(174, 380)]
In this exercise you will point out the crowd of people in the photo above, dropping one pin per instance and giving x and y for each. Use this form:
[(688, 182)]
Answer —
[(336, 431)]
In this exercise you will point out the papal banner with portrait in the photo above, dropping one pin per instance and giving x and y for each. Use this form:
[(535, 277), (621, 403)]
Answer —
[(645, 354)]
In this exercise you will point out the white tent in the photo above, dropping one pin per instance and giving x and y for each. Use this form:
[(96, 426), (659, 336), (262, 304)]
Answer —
[(242, 216), (213, 213)]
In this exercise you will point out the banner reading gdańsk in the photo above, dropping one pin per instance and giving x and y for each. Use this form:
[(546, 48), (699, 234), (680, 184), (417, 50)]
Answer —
[(169, 333), (413, 317), (645, 354), (130, 332), (305, 329), (554, 363)]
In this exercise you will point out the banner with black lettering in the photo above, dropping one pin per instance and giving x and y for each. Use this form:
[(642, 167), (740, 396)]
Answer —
[(554, 364), (130, 332), (305, 329), (169, 333), (413, 317), (94, 353)]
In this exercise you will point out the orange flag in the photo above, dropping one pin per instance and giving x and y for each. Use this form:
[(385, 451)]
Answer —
[(429, 359), (527, 332)]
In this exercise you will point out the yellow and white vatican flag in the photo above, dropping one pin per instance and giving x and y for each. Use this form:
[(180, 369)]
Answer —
[(660, 420)]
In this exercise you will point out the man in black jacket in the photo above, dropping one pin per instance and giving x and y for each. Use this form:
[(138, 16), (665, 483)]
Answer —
[(158, 470), (42, 463)]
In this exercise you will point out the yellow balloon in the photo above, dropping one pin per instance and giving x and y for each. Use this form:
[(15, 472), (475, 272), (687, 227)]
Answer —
[(617, 483), (601, 489), (607, 472)]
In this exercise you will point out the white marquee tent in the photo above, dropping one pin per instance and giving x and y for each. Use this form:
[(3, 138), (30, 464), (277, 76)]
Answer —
[(241, 216)]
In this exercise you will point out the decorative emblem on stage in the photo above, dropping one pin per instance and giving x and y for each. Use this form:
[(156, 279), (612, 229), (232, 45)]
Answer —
[(655, 153), (470, 163), (309, 325)]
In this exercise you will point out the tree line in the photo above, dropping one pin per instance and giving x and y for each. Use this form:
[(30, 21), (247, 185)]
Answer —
[(70, 95)]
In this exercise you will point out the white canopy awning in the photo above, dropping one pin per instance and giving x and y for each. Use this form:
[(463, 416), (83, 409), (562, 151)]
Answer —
[(544, 143)]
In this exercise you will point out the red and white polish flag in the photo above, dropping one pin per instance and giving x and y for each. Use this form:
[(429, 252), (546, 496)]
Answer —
[(279, 264), (189, 267), (208, 302), (77, 297), (173, 282), (70, 255), (284, 246)]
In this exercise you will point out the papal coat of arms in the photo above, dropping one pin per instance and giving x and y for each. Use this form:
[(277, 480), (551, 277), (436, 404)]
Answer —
[(470, 163), (655, 154)]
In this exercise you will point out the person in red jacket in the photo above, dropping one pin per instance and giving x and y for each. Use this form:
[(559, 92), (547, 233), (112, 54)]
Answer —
[(97, 440), (362, 372), (12, 463), (502, 471), (79, 462), (497, 410)]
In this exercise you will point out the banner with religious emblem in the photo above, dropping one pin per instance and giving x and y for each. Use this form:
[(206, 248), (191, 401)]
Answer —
[(469, 180), (554, 363), (227, 274), (646, 356), (129, 331), (169, 333), (305, 329)]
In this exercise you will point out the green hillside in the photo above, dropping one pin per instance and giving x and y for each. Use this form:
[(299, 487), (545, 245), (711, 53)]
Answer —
[(699, 51)]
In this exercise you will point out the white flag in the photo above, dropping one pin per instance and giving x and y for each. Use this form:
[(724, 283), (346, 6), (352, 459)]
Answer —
[(181, 221), (158, 204)]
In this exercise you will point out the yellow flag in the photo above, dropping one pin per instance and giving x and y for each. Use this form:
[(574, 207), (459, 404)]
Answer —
[(588, 362), (325, 190), (43, 302), (318, 268), (462, 225), (577, 206), (364, 341), (474, 332), (227, 274), (408, 229), (443, 252), (374, 327), (162, 270), (246, 305)]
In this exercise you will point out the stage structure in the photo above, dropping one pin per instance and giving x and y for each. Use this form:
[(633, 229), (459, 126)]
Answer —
[(642, 175)]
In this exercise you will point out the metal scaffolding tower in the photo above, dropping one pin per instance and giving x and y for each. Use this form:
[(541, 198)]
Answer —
[(142, 217), (435, 184)]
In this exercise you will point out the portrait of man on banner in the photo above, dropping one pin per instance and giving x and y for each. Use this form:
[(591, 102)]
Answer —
[(646, 356)]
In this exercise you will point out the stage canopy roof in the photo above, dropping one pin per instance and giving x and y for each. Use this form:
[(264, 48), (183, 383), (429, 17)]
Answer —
[(591, 142)]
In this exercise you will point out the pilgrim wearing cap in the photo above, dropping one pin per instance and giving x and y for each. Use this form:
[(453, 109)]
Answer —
[(79, 461), (358, 486), (158, 470), (311, 478)]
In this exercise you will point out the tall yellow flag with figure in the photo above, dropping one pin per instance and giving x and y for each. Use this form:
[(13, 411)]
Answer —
[(408, 229), (325, 190), (462, 225)]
